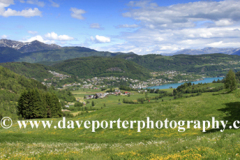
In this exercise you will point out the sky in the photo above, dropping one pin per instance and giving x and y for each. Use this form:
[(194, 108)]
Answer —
[(142, 27)]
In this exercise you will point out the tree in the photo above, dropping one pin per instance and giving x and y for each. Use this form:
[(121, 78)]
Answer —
[(50, 104), (174, 92), (36, 104), (230, 81), (57, 109), (31, 104)]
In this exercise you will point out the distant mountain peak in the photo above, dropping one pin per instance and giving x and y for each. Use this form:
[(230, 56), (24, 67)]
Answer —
[(26, 47)]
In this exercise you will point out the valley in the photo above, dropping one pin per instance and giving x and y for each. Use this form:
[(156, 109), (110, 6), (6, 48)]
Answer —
[(88, 85)]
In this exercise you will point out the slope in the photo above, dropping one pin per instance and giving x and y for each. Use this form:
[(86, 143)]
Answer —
[(8, 54), (101, 67), (162, 142), (29, 70), (11, 86), (210, 64), (62, 54)]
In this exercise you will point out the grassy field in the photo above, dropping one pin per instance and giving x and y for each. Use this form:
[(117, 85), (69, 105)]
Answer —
[(122, 143)]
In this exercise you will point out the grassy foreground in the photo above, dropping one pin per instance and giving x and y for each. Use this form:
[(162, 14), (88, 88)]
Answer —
[(122, 143)]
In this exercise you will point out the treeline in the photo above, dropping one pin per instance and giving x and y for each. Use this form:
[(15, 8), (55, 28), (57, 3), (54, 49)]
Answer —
[(192, 88), (37, 104), (218, 81)]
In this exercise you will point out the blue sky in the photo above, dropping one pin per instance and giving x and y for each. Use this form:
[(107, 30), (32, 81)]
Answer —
[(143, 27)]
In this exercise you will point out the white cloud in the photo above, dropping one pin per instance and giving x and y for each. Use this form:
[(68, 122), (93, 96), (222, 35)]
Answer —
[(38, 38), (36, 2), (54, 36), (10, 12), (32, 32), (6, 2), (4, 36), (77, 13), (54, 4), (127, 26), (194, 25), (221, 44), (223, 22), (95, 26), (25, 13), (184, 15), (101, 39), (49, 38)]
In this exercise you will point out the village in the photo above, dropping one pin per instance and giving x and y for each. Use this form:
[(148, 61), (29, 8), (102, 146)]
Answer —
[(116, 92), (158, 78)]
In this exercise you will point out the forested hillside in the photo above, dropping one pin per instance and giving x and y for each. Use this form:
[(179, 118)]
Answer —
[(101, 66), (13, 85), (30, 70), (211, 64), (9, 54), (12, 55)]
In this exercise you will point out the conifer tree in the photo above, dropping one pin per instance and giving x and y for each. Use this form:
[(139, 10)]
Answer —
[(49, 104), (57, 107), (37, 104)]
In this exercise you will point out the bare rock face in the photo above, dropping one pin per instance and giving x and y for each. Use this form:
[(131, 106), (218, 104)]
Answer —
[(25, 47), (11, 44)]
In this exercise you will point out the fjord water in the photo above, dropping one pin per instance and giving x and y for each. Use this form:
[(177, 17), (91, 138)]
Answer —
[(175, 85)]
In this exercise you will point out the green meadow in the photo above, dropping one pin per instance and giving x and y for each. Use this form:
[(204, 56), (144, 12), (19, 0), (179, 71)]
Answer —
[(121, 144)]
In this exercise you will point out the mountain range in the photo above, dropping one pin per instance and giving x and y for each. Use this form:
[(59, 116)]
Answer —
[(38, 52), (207, 50), (25, 47), (35, 51), (34, 59)]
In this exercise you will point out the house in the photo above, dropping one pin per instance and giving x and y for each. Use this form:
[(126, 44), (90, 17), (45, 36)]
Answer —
[(127, 93), (99, 95), (117, 93), (89, 96)]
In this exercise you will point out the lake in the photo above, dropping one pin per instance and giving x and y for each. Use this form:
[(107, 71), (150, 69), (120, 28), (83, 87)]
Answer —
[(175, 85)]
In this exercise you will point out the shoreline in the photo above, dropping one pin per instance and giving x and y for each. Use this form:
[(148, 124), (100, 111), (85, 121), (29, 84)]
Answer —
[(175, 85)]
